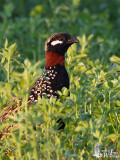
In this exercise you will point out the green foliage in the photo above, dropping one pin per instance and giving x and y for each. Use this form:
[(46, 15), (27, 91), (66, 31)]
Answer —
[(92, 111), (9, 56)]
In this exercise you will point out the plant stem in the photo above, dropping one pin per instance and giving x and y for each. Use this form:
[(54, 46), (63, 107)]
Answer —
[(8, 74)]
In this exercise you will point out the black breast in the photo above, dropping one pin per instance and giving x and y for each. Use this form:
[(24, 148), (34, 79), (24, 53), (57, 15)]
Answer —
[(53, 79)]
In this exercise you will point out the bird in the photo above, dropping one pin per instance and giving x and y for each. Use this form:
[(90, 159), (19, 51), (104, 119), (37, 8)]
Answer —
[(54, 76)]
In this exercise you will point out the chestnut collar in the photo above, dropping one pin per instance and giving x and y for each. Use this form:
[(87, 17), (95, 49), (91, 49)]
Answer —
[(53, 59)]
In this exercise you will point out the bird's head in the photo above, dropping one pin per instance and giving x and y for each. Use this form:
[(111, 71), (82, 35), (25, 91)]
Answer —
[(59, 43), (56, 46)]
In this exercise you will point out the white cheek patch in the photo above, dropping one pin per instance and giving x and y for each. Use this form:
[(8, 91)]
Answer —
[(56, 42)]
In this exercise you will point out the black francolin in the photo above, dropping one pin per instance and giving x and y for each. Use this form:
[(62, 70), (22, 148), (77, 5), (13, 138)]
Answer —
[(54, 77)]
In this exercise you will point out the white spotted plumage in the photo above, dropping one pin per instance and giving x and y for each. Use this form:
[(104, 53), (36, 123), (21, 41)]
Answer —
[(43, 85)]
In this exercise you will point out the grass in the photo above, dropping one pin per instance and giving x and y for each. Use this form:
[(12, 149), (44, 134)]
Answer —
[(92, 111)]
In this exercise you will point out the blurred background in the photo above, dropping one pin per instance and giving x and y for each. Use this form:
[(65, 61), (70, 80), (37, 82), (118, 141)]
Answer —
[(30, 22)]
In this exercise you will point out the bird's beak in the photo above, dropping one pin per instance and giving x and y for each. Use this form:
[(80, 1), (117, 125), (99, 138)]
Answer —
[(73, 40)]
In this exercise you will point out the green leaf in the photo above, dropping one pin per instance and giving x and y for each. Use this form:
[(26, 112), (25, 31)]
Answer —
[(110, 84), (79, 128), (65, 91), (6, 43), (112, 136), (77, 83), (115, 59), (117, 102), (4, 54), (57, 142), (12, 50), (90, 37), (3, 59), (84, 40)]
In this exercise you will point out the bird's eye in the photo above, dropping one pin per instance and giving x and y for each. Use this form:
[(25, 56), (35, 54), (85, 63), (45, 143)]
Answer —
[(61, 39)]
